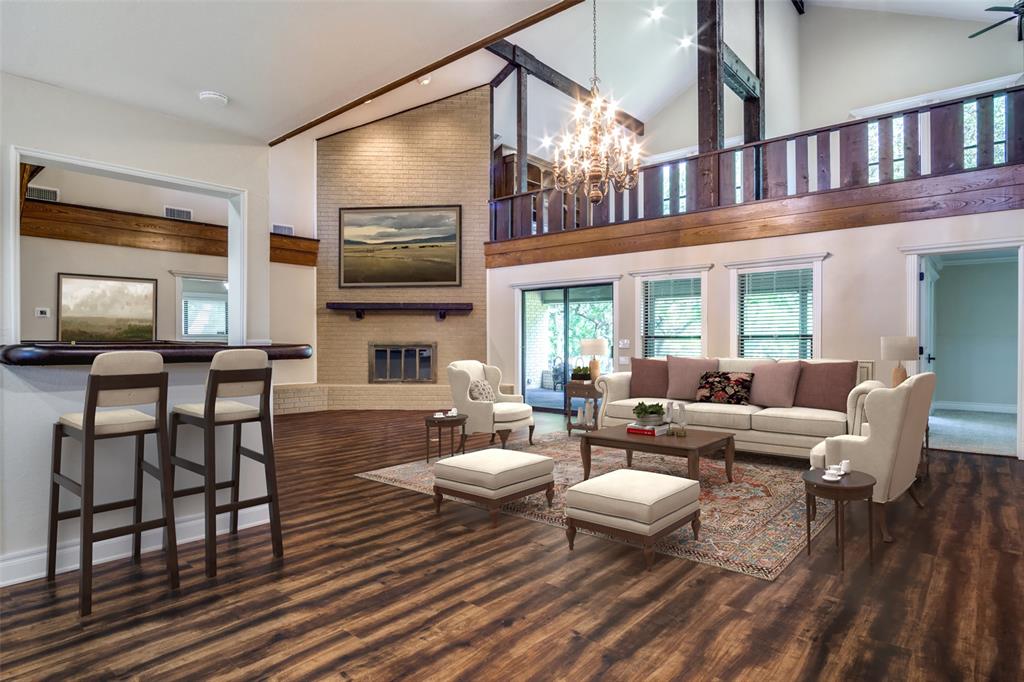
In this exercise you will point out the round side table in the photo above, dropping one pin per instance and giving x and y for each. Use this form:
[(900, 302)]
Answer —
[(452, 424), (855, 485)]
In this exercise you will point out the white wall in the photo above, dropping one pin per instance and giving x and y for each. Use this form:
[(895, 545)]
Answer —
[(976, 311), (43, 117), (99, 192), (863, 283), (856, 58)]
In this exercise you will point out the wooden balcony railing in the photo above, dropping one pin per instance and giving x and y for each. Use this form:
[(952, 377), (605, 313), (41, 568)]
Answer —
[(938, 139)]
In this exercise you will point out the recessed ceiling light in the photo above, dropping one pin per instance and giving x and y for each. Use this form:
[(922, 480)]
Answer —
[(656, 13), (686, 41), (425, 80), (213, 97), (367, 101)]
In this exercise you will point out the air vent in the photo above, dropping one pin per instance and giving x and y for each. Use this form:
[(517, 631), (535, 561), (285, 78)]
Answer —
[(43, 193), (283, 229), (177, 213)]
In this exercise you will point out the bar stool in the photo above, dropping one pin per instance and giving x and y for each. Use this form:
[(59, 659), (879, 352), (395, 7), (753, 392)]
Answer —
[(233, 374), (118, 379)]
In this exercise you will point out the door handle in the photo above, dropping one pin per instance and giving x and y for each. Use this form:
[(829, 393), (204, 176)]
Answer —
[(930, 358)]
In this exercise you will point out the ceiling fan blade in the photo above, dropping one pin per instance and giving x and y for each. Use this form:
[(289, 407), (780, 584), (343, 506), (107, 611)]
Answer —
[(995, 25), (1020, 28), (999, 9)]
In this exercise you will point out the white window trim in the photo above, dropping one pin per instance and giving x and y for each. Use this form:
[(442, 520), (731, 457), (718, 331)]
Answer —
[(736, 268), (641, 276), (179, 322)]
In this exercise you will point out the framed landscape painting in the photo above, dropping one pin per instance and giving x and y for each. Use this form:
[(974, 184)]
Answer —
[(400, 247), (98, 308)]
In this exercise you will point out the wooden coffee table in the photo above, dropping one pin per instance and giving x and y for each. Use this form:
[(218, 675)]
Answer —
[(694, 445)]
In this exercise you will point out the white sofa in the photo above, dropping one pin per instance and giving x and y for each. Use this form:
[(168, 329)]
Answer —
[(789, 431)]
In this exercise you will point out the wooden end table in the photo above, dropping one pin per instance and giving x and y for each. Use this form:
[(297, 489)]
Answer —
[(589, 392), (694, 445), (855, 485), (450, 423)]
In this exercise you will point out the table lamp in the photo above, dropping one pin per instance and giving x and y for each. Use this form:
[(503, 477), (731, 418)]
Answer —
[(899, 348), (594, 348)]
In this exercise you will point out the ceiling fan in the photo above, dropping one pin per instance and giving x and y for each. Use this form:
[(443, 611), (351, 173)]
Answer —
[(1017, 11)]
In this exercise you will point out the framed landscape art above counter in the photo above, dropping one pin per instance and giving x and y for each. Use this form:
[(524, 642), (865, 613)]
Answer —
[(105, 308)]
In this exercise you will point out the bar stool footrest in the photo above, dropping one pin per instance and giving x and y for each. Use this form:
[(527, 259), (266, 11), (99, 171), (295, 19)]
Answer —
[(186, 464), (97, 509), (67, 483), (127, 530), (198, 490), (235, 506), (253, 455)]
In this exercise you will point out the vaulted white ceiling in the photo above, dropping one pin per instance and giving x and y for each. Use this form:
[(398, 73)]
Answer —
[(282, 63)]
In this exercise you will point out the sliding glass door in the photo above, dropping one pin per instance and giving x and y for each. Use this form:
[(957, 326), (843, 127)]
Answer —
[(555, 323)]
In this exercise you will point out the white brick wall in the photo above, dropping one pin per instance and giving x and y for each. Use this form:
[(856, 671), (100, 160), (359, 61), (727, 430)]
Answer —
[(437, 154)]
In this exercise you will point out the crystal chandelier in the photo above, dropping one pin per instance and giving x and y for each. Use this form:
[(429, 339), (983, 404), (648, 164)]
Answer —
[(600, 152)]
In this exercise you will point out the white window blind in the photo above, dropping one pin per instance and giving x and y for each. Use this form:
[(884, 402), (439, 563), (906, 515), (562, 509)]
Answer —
[(776, 314), (672, 317), (204, 308)]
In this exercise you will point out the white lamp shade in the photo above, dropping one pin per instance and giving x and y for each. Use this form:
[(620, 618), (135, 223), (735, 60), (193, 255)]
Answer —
[(899, 348), (594, 347)]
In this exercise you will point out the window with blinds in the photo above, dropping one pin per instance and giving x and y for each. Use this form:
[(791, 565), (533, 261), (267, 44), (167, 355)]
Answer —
[(672, 317), (204, 308), (776, 314)]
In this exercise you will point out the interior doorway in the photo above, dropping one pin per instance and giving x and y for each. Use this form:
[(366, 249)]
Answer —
[(969, 336), (555, 322)]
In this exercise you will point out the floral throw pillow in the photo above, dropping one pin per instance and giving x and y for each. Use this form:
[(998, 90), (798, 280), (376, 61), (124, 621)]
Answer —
[(480, 389), (730, 388)]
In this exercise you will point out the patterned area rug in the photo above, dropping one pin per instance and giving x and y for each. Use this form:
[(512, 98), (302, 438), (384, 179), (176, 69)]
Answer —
[(755, 525)]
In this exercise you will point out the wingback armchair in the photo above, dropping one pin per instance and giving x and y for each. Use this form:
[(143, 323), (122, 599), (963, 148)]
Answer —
[(498, 417), (891, 449)]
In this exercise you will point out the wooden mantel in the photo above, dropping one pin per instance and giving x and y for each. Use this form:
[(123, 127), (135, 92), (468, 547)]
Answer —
[(119, 228), (440, 310)]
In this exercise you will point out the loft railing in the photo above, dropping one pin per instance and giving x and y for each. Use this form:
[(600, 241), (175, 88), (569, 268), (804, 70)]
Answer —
[(971, 133)]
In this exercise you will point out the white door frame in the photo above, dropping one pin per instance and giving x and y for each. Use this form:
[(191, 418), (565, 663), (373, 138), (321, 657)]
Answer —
[(914, 254), (520, 287), (10, 232)]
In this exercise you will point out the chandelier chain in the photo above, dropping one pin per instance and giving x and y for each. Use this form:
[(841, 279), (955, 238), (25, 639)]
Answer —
[(593, 80)]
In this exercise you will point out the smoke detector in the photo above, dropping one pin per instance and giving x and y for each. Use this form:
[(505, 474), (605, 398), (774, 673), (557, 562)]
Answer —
[(213, 97)]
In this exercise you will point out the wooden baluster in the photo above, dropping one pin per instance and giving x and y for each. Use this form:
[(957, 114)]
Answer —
[(986, 132), (555, 212), (707, 180), (522, 214), (853, 155), (601, 213), (751, 191), (691, 186), (620, 207), (885, 150), (582, 209), (947, 138), (911, 146), (502, 220), (775, 169), (802, 173), (1015, 127), (824, 154), (673, 188), (652, 192), (634, 203), (727, 178)]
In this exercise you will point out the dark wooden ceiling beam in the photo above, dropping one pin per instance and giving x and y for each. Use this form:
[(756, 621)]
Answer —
[(799, 5), (754, 109), (522, 80), (710, 93), (738, 75), (559, 81), (534, 18), (505, 72)]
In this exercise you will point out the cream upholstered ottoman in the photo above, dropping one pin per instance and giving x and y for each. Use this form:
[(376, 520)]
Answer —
[(639, 506), (493, 477)]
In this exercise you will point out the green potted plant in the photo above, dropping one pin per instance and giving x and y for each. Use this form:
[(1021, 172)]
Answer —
[(581, 374), (649, 415)]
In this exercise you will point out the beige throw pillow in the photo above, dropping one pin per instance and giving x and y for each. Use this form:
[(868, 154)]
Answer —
[(479, 389)]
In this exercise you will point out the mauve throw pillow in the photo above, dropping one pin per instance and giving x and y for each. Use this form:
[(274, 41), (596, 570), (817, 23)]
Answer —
[(684, 375), (825, 385), (730, 388), (775, 384), (649, 379)]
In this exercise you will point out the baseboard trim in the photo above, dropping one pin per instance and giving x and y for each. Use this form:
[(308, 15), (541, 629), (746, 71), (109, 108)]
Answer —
[(29, 564), (1001, 408)]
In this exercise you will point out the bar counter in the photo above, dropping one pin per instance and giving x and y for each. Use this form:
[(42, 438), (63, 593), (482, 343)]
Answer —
[(44, 353)]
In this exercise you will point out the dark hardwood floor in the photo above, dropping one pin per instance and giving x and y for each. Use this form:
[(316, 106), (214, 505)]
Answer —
[(375, 586)]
